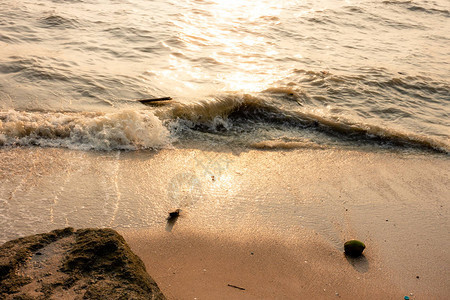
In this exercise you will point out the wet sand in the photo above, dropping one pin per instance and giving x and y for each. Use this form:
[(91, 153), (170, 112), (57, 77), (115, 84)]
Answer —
[(285, 207), (285, 238)]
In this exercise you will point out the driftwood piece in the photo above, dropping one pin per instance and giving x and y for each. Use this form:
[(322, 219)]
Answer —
[(236, 287), (151, 100)]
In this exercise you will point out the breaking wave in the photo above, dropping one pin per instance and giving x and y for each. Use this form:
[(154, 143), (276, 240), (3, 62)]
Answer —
[(245, 120), (124, 130), (247, 112)]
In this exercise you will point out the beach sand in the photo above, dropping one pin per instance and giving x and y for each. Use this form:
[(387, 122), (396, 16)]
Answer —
[(211, 266), (278, 230), (270, 222)]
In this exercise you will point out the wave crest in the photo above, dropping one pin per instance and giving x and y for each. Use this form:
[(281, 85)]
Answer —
[(241, 113), (124, 130)]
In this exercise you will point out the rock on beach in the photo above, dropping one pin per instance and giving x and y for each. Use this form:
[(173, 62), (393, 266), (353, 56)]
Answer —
[(69, 264)]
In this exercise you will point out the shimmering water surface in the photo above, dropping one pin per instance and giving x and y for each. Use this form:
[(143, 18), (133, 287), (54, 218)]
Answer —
[(330, 78), (258, 72)]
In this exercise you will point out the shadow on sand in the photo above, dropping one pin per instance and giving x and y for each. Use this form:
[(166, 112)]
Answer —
[(360, 264)]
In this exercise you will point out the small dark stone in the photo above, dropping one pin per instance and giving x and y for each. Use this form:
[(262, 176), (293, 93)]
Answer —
[(417, 277), (174, 214), (38, 253), (354, 248)]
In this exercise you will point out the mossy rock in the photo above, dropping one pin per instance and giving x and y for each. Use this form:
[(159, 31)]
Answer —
[(91, 264), (354, 248)]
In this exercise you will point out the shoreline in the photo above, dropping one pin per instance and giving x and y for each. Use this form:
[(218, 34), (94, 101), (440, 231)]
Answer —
[(290, 206)]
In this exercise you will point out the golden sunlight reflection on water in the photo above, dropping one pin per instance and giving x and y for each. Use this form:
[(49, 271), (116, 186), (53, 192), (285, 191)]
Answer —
[(226, 33)]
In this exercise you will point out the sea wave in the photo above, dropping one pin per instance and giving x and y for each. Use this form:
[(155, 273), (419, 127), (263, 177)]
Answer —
[(123, 130), (414, 6), (239, 113), (236, 119), (58, 21)]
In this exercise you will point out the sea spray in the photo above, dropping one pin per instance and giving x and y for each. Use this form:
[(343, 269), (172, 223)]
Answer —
[(122, 130)]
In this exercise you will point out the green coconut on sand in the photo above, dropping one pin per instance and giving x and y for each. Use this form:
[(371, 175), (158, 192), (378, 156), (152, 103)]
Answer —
[(354, 248)]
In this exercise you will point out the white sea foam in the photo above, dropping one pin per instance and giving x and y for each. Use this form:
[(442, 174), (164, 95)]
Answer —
[(127, 129)]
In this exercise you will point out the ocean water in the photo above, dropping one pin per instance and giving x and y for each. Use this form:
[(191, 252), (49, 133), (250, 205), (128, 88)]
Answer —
[(354, 85), (273, 74)]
